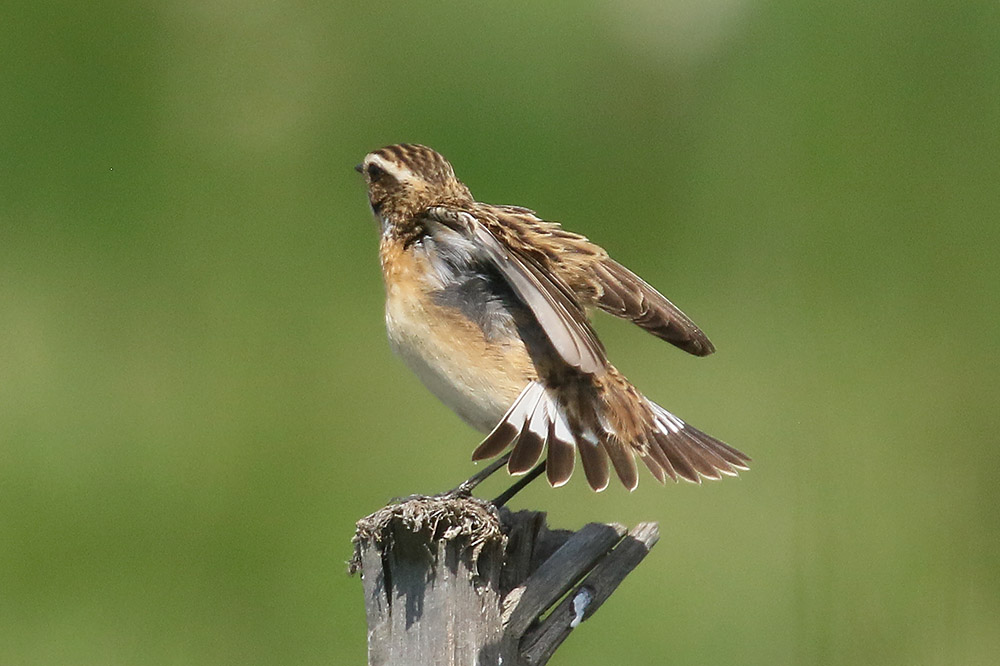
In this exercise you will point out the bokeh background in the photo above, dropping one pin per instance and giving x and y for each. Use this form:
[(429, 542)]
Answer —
[(197, 400)]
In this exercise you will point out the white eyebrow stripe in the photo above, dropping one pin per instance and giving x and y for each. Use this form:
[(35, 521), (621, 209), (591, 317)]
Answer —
[(398, 171)]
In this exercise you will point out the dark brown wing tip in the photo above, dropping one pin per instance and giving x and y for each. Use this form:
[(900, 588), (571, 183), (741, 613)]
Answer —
[(700, 347), (624, 294), (693, 341)]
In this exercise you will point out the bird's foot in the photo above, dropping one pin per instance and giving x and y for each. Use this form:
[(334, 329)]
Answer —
[(519, 485), (461, 491), (465, 488)]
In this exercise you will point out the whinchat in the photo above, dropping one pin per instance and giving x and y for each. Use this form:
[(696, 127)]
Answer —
[(487, 305)]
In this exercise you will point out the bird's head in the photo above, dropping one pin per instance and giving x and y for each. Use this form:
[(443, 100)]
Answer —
[(406, 178)]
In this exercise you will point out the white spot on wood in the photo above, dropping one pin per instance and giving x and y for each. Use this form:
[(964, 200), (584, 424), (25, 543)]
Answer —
[(580, 603)]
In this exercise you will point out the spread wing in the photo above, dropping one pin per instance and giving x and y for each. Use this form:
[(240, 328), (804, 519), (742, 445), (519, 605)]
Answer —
[(551, 301), (599, 281), (626, 295)]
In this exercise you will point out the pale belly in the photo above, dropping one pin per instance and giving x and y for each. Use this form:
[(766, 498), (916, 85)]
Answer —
[(478, 379)]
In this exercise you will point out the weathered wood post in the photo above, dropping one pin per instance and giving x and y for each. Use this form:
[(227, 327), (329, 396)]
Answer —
[(452, 580)]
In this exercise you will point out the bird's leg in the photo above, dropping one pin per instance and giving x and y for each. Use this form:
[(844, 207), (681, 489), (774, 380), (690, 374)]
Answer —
[(467, 486), (506, 495)]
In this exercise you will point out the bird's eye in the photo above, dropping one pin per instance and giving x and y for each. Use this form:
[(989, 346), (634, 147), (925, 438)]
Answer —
[(375, 172)]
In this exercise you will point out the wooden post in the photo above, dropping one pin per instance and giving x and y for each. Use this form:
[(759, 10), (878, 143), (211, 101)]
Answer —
[(452, 580)]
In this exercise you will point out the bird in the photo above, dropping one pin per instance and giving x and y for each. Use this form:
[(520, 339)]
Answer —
[(488, 305)]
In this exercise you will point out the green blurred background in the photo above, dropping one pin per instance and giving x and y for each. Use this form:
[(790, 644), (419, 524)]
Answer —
[(197, 400)]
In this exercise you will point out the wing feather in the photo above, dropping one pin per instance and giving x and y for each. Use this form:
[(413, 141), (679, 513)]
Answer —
[(598, 280), (624, 294), (552, 303)]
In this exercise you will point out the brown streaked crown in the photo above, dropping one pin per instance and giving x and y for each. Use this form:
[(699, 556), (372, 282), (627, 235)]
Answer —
[(405, 178)]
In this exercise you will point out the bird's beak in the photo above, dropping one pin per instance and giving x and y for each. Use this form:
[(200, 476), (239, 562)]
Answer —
[(360, 168)]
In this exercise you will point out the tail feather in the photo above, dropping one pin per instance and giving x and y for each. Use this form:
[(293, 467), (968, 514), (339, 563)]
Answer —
[(561, 455), (559, 461), (702, 443), (675, 457), (595, 461), (698, 458), (623, 459), (507, 431), (667, 446), (658, 455), (531, 441), (706, 455), (652, 464)]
